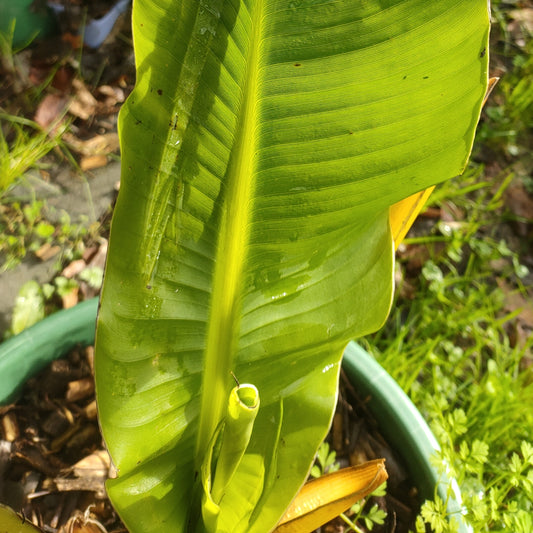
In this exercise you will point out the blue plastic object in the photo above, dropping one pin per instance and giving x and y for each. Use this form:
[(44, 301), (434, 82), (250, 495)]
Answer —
[(97, 30)]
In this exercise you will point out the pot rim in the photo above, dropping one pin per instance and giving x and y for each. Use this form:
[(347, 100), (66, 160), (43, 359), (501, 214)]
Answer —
[(402, 424), (25, 354)]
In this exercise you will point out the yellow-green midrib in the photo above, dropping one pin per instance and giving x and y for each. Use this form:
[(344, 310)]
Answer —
[(223, 324)]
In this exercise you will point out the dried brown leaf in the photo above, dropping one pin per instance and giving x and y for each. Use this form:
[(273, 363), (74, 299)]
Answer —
[(95, 465), (73, 268), (70, 299), (518, 201), (98, 259), (34, 456), (47, 251), (93, 161), (83, 523), (97, 145), (112, 95), (51, 109), (84, 104)]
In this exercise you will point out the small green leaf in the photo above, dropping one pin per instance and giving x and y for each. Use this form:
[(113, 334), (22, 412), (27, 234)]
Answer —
[(434, 513), (315, 471), (225, 459), (48, 290), (458, 421), (381, 490), (322, 455), (480, 451), (44, 230), (29, 307), (376, 515), (32, 211), (243, 405), (93, 276), (516, 464), (64, 285), (420, 525), (357, 507), (432, 272), (527, 452)]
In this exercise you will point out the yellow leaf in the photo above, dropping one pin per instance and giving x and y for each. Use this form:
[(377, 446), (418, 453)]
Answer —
[(322, 499), (403, 214)]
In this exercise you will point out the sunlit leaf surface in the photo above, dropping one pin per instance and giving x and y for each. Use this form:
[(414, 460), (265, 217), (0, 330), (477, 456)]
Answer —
[(261, 150)]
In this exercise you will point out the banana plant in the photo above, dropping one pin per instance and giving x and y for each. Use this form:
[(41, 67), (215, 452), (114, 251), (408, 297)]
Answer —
[(262, 149)]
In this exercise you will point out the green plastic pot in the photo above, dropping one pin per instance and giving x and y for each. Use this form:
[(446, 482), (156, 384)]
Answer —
[(25, 354), (400, 422), (33, 19), (403, 427)]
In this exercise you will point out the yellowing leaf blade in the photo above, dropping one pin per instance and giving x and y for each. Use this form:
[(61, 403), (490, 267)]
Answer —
[(326, 497)]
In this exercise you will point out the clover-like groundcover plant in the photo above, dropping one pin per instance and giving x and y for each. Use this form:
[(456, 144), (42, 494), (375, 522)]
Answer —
[(262, 149)]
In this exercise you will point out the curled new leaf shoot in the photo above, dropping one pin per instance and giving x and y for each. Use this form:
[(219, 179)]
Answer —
[(231, 439), (242, 409)]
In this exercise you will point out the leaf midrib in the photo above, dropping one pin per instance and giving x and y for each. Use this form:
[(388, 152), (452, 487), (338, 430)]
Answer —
[(224, 319)]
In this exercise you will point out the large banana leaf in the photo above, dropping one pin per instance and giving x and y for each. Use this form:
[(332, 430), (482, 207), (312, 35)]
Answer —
[(261, 149)]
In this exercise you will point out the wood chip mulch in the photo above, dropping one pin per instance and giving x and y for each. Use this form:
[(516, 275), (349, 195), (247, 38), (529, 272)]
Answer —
[(53, 464)]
